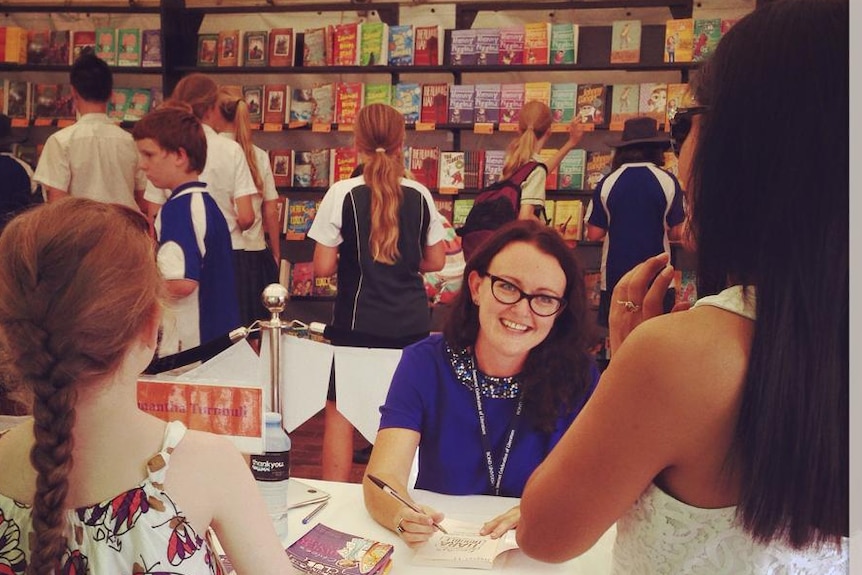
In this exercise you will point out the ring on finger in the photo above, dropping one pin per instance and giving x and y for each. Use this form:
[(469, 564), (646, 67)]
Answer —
[(629, 304), (398, 528)]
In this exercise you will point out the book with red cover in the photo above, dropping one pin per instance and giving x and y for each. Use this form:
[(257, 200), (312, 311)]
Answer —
[(280, 161), (37, 45), (427, 45), (424, 166), (301, 277), (512, 45), (228, 48), (275, 97), (82, 39), (345, 44), (342, 163), (348, 101), (435, 103), (282, 45)]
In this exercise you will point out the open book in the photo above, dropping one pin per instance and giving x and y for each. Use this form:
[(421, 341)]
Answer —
[(463, 547)]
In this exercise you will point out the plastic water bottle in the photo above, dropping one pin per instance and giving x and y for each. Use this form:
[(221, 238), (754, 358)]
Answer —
[(271, 470)]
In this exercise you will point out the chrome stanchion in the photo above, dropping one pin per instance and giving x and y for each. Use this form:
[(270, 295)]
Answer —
[(274, 298)]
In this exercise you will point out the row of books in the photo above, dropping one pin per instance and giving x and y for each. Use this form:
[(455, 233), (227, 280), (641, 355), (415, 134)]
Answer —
[(131, 104), (116, 46), (534, 43), (299, 279), (20, 99)]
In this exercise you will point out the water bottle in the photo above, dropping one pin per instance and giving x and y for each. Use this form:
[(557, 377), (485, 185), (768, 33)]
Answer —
[(271, 471)]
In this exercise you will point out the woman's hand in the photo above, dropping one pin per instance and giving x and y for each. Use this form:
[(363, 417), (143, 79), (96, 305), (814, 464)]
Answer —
[(416, 528), (497, 526)]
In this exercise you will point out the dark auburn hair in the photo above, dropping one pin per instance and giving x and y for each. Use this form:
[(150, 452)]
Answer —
[(770, 209), (173, 126), (557, 372), (78, 282)]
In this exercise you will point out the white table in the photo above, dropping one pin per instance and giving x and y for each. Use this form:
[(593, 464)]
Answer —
[(346, 512)]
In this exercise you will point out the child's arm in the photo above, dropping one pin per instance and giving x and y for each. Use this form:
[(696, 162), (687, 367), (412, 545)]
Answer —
[(576, 132), (180, 288)]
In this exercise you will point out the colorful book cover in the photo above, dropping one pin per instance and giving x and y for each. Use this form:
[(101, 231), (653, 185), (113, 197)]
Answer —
[(276, 103), (571, 170), (435, 103), (460, 208), (625, 103), (37, 45), (315, 47), (707, 33), (464, 51), (345, 44), (569, 219), (653, 101), (494, 160), (323, 110), (377, 94), (444, 207), (598, 166), (537, 91), (320, 168), (82, 39), (488, 46), (678, 96), (129, 47), (686, 286), (301, 275), (301, 105), (280, 160), (301, 169), (140, 102), (348, 101), (121, 99), (106, 45), (14, 46), (487, 103), (564, 43), (326, 550), (474, 168), (401, 45), (253, 96), (207, 49), (407, 99), (537, 36), (427, 45), (512, 45), (151, 48), (461, 104), (511, 102), (451, 176), (342, 163), (18, 99), (228, 48), (727, 24), (59, 47), (325, 286), (551, 180), (373, 44), (563, 102), (591, 103), (255, 44), (282, 44), (679, 40), (424, 163), (626, 42)]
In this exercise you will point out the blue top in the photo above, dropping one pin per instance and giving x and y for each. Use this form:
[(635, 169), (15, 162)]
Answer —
[(634, 204), (427, 396)]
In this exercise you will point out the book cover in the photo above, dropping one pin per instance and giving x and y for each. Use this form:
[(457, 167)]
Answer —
[(323, 110), (678, 96), (140, 102), (488, 46), (460, 208), (474, 167), (598, 166), (563, 99), (444, 207), (320, 168), (377, 94), (512, 45), (18, 99), (707, 33), (427, 45), (121, 99), (345, 44), (151, 48), (228, 48), (300, 215), (593, 284), (511, 102), (45, 100), (551, 180), (653, 101), (253, 96), (685, 282), (407, 99), (326, 550), (207, 49), (129, 47), (14, 46), (280, 161), (564, 43), (59, 45), (342, 162), (569, 219), (316, 50), (424, 164), (435, 103), (301, 105), (451, 176), (537, 91), (373, 44), (463, 50), (282, 45), (301, 276), (401, 45), (275, 99), (625, 102), (727, 24), (301, 169), (325, 286), (462, 547), (626, 42), (461, 104), (348, 101), (537, 36), (487, 103), (494, 160), (571, 170), (591, 103), (679, 40), (254, 47), (82, 39), (106, 45)]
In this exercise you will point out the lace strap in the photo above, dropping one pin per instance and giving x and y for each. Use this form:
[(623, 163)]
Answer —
[(157, 466)]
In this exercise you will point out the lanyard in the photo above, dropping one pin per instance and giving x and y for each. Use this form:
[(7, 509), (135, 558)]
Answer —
[(495, 478)]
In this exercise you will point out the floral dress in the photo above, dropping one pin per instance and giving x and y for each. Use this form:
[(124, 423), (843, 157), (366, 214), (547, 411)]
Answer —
[(140, 531)]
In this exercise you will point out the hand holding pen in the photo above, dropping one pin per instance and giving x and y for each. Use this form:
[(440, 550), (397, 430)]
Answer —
[(399, 528)]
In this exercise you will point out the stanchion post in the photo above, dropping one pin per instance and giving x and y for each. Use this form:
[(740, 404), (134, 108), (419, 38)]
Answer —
[(274, 298)]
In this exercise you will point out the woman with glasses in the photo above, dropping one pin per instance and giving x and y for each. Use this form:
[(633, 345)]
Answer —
[(488, 399), (718, 439)]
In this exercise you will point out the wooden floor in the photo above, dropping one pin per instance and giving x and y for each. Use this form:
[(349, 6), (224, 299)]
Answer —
[(306, 445)]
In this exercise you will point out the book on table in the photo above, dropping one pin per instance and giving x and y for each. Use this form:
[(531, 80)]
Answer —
[(463, 547), (327, 550)]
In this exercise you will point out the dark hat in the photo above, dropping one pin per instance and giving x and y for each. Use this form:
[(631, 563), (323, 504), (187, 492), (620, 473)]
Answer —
[(640, 130), (6, 136)]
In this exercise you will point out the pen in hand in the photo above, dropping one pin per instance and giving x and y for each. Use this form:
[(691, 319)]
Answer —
[(386, 489), (314, 512)]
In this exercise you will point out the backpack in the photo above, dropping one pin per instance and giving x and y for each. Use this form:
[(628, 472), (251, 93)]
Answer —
[(496, 205)]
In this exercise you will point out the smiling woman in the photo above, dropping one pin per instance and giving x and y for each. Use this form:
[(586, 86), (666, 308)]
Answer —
[(487, 400)]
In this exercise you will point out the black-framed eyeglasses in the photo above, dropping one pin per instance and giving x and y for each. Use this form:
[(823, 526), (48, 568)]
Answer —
[(680, 125), (508, 293)]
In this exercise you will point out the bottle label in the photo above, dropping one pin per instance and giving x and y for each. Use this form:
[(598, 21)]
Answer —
[(273, 466)]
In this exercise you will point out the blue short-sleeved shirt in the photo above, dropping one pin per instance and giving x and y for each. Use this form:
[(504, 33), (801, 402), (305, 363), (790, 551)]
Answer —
[(426, 396)]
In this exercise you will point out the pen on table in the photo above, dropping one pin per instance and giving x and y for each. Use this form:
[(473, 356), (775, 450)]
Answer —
[(314, 512), (386, 489)]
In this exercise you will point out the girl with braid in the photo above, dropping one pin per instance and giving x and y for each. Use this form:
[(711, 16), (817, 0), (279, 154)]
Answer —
[(91, 484)]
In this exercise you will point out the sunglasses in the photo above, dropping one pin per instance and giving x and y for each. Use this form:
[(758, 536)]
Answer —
[(680, 125)]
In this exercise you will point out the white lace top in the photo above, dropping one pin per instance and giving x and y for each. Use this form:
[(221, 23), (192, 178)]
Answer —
[(661, 535)]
